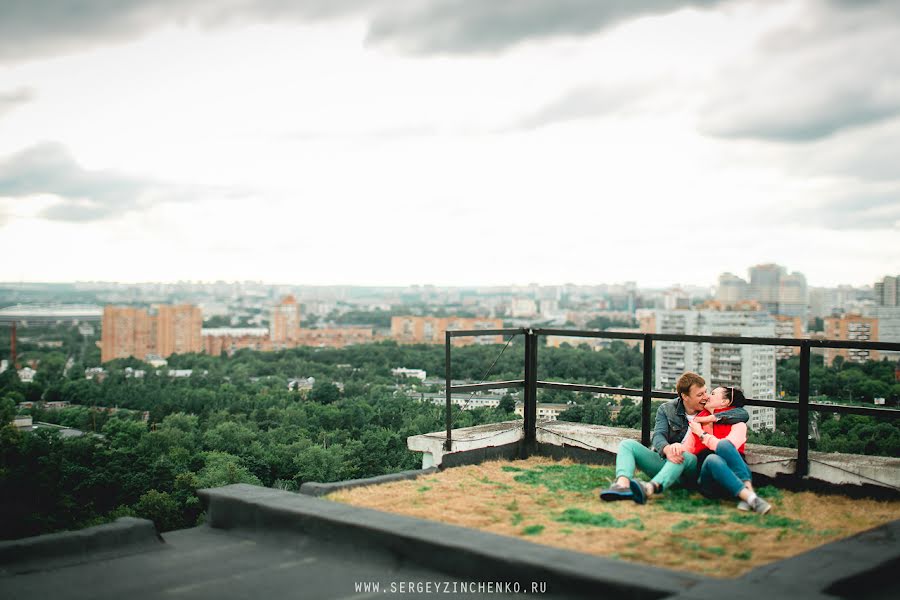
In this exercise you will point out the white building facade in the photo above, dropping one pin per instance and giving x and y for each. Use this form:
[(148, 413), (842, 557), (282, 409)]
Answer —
[(751, 368)]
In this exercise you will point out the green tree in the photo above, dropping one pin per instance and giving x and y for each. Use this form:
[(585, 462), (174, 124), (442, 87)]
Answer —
[(160, 508), (221, 468), (324, 392), (7, 410)]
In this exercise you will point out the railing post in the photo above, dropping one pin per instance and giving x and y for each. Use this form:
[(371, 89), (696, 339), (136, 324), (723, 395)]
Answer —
[(448, 444), (530, 442), (647, 389), (803, 414)]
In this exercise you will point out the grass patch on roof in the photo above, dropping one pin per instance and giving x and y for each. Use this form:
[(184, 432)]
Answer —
[(570, 478), (557, 504), (682, 500), (603, 519)]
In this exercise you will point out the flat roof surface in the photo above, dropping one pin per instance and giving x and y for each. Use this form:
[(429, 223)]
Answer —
[(203, 562)]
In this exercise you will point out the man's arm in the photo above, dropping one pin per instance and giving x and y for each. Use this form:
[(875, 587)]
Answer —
[(689, 443), (734, 416), (660, 437)]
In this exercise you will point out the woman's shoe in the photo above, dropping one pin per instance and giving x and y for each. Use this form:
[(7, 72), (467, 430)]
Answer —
[(760, 506)]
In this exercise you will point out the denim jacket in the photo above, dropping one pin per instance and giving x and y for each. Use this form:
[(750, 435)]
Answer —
[(672, 424)]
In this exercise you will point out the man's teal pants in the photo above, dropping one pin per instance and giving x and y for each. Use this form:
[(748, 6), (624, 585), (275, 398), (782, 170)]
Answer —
[(633, 454)]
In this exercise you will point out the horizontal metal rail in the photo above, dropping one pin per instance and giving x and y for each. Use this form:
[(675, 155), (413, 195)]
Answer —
[(722, 339), (888, 413), (600, 389), (531, 384), (479, 332), (490, 385)]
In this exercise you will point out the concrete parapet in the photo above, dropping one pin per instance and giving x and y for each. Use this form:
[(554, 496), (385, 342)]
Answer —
[(314, 488), (125, 535), (875, 474), (464, 440), (457, 551)]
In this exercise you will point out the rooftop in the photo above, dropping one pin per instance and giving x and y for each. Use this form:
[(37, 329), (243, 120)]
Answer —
[(261, 542), (555, 503)]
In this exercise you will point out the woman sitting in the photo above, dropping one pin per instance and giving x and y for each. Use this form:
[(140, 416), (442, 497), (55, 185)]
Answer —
[(720, 450)]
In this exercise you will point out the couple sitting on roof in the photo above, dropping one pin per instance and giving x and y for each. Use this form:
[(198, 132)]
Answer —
[(699, 439)]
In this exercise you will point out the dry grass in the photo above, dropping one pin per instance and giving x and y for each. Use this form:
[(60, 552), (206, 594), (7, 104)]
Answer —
[(556, 503)]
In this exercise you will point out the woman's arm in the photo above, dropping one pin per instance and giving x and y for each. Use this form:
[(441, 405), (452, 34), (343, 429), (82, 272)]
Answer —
[(737, 436)]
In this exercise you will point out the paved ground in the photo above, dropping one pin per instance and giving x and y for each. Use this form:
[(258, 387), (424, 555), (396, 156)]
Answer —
[(214, 563)]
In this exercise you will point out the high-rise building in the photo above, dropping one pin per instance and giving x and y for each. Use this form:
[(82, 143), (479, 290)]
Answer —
[(178, 329), (779, 292), (731, 289), (851, 328), (751, 368), (432, 330), (887, 291), (765, 284), (793, 298), (125, 331), (285, 324), (128, 331)]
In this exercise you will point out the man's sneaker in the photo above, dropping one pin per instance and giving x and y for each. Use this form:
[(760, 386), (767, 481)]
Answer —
[(742, 505), (616, 492), (638, 491), (760, 506)]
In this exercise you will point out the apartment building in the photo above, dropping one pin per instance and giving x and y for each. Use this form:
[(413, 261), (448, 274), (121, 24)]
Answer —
[(851, 328), (432, 330), (167, 330), (751, 368)]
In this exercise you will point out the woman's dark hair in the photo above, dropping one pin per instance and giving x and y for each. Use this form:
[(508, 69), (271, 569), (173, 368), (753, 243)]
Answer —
[(735, 395)]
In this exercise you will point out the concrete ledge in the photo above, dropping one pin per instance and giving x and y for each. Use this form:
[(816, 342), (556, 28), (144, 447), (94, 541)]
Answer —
[(314, 488), (454, 550), (842, 564), (466, 439), (861, 566), (850, 474), (125, 535)]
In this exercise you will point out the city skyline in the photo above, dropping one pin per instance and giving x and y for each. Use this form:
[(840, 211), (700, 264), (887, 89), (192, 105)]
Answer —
[(711, 288), (450, 142)]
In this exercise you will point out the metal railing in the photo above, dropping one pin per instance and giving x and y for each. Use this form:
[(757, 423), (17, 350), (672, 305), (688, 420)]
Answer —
[(531, 384)]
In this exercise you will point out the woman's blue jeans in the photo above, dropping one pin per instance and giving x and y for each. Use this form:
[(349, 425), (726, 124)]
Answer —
[(723, 474)]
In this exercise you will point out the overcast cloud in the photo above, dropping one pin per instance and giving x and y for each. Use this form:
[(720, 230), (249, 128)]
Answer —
[(810, 79), (450, 141), (14, 98), (49, 169), (30, 28)]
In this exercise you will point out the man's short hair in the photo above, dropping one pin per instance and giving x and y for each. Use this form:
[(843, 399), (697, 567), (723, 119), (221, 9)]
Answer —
[(687, 381)]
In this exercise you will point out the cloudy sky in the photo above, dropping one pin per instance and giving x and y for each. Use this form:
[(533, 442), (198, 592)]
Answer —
[(449, 141)]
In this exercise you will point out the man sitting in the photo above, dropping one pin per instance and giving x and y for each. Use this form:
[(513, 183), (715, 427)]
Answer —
[(667, 462)]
